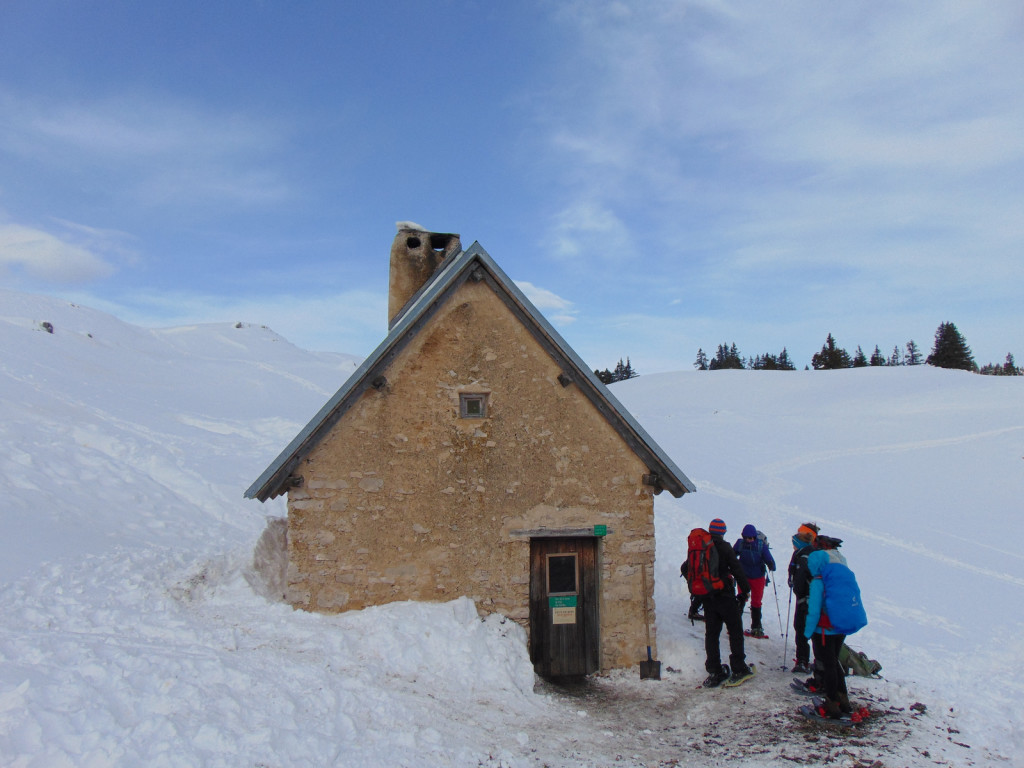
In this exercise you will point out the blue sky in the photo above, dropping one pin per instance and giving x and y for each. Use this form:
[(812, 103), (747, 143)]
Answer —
[(659, 176)]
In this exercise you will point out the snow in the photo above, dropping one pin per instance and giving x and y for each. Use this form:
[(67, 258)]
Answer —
[(141, 621)]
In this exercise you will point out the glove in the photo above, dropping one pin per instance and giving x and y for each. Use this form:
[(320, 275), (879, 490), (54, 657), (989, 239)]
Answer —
[(744, 596)]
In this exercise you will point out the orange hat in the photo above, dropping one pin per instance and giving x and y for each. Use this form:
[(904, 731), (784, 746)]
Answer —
[(810, 529)]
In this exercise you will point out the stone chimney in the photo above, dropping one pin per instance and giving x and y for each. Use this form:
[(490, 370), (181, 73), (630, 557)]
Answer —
[(415, 256)]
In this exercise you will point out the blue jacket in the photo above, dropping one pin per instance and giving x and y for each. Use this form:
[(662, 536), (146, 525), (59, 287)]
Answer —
[(834, 606), (755, 557)]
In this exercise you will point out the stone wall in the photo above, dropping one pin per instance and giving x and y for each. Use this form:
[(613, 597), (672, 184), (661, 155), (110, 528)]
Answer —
[(406, 500)]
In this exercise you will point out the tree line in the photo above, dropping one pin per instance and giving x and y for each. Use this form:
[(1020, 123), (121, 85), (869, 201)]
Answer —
[(950, 350), (622, 371)]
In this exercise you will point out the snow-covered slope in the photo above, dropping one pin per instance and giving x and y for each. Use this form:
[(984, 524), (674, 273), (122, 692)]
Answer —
[(137, 630)]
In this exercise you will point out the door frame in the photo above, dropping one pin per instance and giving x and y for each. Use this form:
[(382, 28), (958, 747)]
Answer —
[(565, 627)]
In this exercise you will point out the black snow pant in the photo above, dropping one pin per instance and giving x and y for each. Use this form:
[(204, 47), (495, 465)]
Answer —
[(826, 651), (723, 608), (803, 646)]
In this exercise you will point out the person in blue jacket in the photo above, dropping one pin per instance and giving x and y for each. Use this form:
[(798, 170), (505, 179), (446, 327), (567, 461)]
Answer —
[(756, 559), (834, 610)]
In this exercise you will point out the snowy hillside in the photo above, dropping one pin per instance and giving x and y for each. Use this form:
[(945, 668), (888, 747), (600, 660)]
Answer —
[(139, 630)]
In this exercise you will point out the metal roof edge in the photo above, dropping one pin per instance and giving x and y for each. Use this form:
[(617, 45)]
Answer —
[(270, 482), (684, 485)]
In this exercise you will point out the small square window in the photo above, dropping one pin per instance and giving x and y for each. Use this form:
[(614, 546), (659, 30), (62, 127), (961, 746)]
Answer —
[(562, 574), (472, 406)]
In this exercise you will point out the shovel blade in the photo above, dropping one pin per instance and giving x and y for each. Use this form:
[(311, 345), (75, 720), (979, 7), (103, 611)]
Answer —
[(650, 670)]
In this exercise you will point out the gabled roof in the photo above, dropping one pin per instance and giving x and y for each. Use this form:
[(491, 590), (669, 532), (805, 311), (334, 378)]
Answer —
[(477, 265)]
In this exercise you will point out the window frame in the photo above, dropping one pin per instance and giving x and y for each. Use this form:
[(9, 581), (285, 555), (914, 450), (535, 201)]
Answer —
[(466, 398), (576, 573)]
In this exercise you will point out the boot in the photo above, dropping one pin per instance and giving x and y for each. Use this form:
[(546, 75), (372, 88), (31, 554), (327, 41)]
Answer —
[(715, 679), (740, 674), (830, 709), (844, 703), (755, 622)]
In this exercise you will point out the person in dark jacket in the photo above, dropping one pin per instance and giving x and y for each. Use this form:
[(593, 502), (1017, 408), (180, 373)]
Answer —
[(756, 559), (800, 584), (722, 608)]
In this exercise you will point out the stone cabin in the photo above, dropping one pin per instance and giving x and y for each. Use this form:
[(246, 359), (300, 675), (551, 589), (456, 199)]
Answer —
[(474, 453)]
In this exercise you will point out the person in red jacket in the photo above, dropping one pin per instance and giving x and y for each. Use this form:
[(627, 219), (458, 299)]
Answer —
[(756, 558)]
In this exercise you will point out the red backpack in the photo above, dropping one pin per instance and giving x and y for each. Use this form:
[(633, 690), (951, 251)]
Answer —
[(702, 563)]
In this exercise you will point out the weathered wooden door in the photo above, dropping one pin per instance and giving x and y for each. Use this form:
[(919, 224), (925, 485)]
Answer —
[(564, 591)]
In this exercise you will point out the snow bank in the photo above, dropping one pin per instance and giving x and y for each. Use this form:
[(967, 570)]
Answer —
[(139, 590)]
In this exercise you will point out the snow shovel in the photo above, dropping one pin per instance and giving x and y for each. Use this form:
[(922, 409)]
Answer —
[(650, 669)]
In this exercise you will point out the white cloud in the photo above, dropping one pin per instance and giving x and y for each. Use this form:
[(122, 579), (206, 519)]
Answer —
[(589, 231), (877, 147), (157, 150), (40, 255), (550, 304)]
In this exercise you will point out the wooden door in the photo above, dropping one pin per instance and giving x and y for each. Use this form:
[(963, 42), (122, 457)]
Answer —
[(564, 591)]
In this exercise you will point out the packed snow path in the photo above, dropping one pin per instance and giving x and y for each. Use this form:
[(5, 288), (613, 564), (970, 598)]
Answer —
[(179, 665)]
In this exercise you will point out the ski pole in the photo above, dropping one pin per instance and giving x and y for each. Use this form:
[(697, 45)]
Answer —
[(778, 610), (785, 642)]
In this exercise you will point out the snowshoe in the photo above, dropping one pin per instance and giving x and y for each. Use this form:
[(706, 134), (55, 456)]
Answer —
[(804, 687), (817, 713), (801, 668), (857, 715), (715, 679), (757, 634), (740, 677)]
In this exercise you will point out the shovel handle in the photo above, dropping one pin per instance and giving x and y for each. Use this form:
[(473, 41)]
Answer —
[(647, 610)]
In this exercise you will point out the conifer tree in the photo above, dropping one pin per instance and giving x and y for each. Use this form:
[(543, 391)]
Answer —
[(831, 357), (701, 363), (726, 357), (785, 364), (1010, 367), (623, 371), (895, 358), (860, 360), (876, 357), (913, 356), (951, 350)]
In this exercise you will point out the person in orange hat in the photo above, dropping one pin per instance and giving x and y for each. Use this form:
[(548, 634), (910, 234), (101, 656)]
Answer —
[(800, 588)]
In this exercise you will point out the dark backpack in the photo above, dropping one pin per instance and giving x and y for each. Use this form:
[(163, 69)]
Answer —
[(799, 573), (702, 563)]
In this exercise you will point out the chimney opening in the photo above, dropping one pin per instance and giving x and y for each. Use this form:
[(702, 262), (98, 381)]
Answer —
[(440, 242), (412, 242)]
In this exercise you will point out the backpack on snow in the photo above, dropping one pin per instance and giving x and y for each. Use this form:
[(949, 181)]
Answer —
[(857, 663), (702, 563)]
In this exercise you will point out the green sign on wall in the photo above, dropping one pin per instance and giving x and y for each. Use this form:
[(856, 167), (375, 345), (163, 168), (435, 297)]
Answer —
[(600, 530), (562, 601)]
